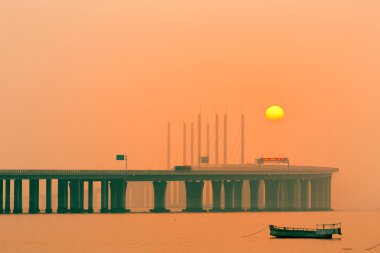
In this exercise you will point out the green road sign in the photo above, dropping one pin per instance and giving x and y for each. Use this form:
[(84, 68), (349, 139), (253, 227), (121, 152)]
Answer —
[(204, 159), (120, 157)]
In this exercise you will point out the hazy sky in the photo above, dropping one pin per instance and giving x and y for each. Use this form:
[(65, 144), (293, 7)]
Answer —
[(83, 80)]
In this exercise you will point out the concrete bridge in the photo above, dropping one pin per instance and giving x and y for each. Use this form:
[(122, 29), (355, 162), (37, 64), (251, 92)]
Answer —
[(282, 185)]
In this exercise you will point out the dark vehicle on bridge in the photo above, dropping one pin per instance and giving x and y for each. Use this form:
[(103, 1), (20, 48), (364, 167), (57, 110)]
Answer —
[(182, 168), (323, 231)]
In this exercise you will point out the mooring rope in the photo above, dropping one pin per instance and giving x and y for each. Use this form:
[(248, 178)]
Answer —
[(261, 230), (373, 246)]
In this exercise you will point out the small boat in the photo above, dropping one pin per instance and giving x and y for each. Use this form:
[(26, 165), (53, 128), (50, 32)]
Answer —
[(322, 231)]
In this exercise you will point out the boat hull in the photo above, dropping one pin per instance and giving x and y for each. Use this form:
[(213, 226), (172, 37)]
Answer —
[(282, 233)]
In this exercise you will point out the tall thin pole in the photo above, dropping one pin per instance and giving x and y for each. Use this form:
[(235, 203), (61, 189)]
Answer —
[(216, 138), (192, 143), (225, 138), (168, 164), (199, 139), (208, 140), (242, 139), (168, 151), (184, 143)]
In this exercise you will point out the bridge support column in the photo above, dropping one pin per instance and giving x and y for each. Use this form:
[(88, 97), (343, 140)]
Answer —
[(328, 193), (48, 196), (114, 200), (123, 187), (304, 194), (282, 194), (228, 195), (238, 190), (314, 193), (76, 196), (7, 196), (208, 190), (34, 194), (62, 196), (271, 194), (17, 196), (321, 189), (104, 196), (194, 196), (254, 195), (1, 197), (118, 190), (90, 197), (216, 195), (159, 197), (81, 194), (291, 184)]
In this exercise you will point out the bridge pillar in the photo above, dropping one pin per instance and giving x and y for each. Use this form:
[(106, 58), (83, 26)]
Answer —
[(118, 190), (104, 196), (228, 195), (48, 196), (81, 194), (17, 196), (216, 195), (314, 193), (90, 197), (159, 197), (114, 200), (328, 193), (34, 194), (271, 194), (238, 190), (291, 184), (1, 197), (76, 196), (207, 191), (254, 194), (282, 194), (7, 196), (194, 196), (62, 196), (304, 194), (321, 189), (123, 186)]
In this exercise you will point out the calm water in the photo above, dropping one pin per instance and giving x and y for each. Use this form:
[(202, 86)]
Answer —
[(182, 232)]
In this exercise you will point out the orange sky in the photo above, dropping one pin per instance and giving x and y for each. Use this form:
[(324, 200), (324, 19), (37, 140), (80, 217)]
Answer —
[(83, 80)]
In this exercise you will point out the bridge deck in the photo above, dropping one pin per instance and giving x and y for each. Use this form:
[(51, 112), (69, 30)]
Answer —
[(203, 173)]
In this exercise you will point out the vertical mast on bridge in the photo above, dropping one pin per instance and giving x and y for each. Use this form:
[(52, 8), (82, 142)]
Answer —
[(242, 139), (168, 150), (216, 138), (199, 139), (225, 138), (192, 143), (208, 140), (184, 143)]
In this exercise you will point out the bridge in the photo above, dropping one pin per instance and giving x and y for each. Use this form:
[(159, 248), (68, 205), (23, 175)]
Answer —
[(293, 188)]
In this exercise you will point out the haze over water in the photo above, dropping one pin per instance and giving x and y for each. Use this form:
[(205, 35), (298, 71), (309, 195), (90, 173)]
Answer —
[(183, 232)]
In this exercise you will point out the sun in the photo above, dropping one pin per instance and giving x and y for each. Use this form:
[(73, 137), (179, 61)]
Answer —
[(274, 112)]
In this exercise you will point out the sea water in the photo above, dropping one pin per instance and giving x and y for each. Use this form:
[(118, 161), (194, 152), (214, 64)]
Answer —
[(184, 232)]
